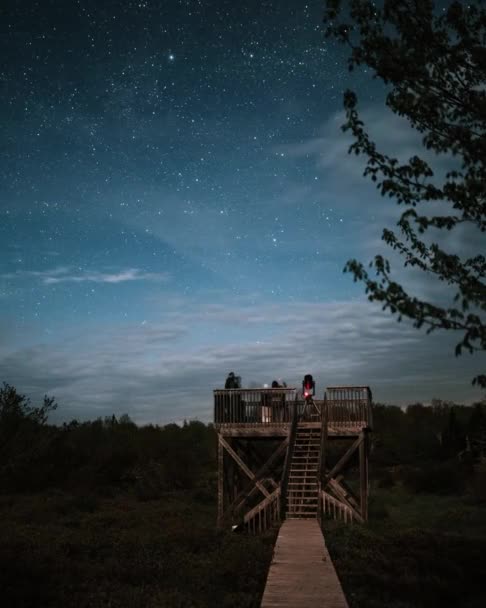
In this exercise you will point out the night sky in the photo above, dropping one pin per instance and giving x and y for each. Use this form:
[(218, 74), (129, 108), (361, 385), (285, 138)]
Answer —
[(177, 202)]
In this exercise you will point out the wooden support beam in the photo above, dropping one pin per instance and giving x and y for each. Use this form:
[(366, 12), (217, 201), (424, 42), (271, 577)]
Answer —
[(340, 494), (220, 483), (272, 482), (350, 495), (243, 466), (363, 474), (324, 440), (322, 454), (343, 461), (256, 456), (247, 492)]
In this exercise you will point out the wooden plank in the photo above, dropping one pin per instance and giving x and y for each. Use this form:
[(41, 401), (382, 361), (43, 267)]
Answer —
[(220, 483), (250, 430), (302, 574), (282, 429), (341, 494), (261, 506), (243, 466), (247, 491), (363, 475), (342, 461)]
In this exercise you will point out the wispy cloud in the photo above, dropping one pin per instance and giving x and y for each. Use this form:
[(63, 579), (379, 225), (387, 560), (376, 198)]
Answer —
[(68, 275), (158, 372)]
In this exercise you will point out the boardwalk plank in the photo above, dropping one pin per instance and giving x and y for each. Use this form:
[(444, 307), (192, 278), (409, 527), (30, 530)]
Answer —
[(302, 574)]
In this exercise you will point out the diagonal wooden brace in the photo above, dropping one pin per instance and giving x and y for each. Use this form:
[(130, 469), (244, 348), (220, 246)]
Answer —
[(342, 462), (243, 466), (341, 495), (246, 493)]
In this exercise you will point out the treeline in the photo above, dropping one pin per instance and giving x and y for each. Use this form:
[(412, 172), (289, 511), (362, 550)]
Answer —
[(102, 454), (426, 447), (440, 431), (438, 449)]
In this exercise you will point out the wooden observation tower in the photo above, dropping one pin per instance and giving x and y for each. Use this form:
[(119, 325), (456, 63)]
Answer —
[(281, 456)]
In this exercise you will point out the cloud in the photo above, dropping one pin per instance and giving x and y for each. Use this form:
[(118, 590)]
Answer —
[(160, 372), (66, 275)]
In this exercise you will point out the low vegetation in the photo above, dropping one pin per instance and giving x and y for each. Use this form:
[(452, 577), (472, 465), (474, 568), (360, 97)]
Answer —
[(107, 513)]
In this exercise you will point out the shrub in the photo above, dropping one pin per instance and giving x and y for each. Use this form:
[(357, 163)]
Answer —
[(442, 478)]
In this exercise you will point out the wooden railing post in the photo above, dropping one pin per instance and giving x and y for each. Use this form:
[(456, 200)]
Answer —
[(288, 460), (220, 482), (363, 474), (322, 455)]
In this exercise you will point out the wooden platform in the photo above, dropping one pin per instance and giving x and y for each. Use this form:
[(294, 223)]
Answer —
[(302, 574), (270, 430)]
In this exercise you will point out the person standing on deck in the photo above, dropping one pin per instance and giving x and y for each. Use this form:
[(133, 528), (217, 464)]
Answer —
[(278, 401), (231, 381), (233, 404)]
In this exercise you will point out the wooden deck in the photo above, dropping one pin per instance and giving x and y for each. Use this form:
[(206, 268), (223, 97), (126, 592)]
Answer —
[(302, 574), (282, 429)]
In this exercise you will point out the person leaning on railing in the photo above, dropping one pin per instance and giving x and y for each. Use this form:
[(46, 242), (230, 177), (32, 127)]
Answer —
[(278, 401), (235, 414)]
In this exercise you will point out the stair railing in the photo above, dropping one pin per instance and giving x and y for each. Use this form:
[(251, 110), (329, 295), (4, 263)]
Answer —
[(333, 507), (264, 514), (288, 460), (321, 471)]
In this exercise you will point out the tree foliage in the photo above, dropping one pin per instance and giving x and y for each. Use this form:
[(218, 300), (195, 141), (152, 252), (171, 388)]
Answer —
[(434, 65)]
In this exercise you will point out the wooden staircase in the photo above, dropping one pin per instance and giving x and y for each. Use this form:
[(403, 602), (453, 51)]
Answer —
[(302, 489)]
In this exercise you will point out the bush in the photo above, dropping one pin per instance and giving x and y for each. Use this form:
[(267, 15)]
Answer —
[(443, 478)]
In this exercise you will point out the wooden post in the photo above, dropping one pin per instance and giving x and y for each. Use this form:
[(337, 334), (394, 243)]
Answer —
[(363, 474), (220, 481), (288, 460), (243, 467), (322, 460)]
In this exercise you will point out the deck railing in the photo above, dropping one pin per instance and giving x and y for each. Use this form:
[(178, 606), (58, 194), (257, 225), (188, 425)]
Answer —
[(264, 514), (347, 407), (254, 406)]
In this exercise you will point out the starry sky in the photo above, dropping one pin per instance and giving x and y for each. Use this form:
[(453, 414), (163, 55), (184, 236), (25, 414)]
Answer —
[(177, 202)]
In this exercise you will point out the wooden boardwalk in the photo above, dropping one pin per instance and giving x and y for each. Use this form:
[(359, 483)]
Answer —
[(302, 574)]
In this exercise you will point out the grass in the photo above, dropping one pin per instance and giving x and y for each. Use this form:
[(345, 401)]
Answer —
[(85, 551), (416, 551)]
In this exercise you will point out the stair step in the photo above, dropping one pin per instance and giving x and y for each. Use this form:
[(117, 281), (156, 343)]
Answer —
[(308, 500), (305, 475), (305, 462), (304, 450), (312, 491), (299, 450), (310, 463), (306, 472), (299, 513), (294, 502)]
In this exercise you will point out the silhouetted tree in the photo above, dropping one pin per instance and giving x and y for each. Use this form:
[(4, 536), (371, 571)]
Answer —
[(454, 439), (435, 68), (25, 439)]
